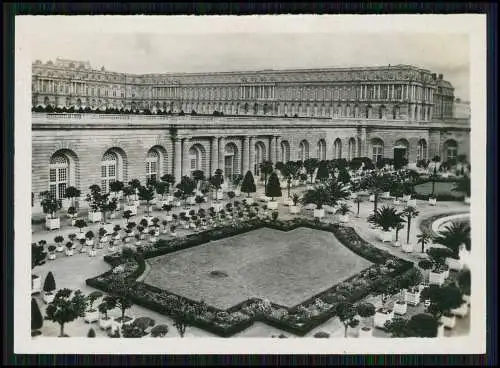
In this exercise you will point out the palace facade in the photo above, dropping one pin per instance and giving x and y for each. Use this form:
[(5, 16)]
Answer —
[(232, 121)]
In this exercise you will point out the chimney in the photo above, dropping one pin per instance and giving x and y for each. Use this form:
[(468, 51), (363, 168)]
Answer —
[(440, 76)]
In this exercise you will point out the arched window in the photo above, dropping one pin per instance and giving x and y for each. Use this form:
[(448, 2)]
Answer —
[(260, 156), (321, 150), (303, 150), (451, 149), (421, 150), (381, 112), (352, 149), (195, 158), (337, 148), (377, 150), (285, 151), (395, 112), (109, 170), (58, 175), (231, 160), (153, 165)]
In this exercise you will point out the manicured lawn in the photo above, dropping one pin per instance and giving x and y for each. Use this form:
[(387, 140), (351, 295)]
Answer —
[(440, 188), (284, 267)]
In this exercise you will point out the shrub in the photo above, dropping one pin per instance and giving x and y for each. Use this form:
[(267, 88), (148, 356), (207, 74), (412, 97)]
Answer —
[(36, 317), (159, 331), (49, 284), (91, 332), (366, 310)]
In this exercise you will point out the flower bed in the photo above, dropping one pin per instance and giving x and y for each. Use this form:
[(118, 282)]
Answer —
[(299, 319)]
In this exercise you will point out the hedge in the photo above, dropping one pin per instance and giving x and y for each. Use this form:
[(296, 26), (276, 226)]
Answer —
[(235, 319)]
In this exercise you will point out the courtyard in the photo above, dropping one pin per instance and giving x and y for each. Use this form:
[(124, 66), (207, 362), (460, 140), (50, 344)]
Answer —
[(283, 267)]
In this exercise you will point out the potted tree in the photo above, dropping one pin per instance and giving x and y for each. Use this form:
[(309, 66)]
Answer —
[(440, 272), (80, 223), (49, 286), (72, 213), (425, 267), (116, 187), (83, 248), (168, 209), (366, 311), (266, 168), (346, 313), (50, 206), (103, 235), (161, 189), (107, 304), (396, 192), (310, 166), (172, 230), (72, 193), (273, 189), (237, 179), (399, 226), (129, 191), (89, 236), (59, 240), (343, 212), (423, 239), (135, 184), (169, 180), (38, 256), (386, 218), (248, 186), (95, 200), (52, 252), (36, 319), (65, 309), (216, 182), (69, 249), (177, 198), (442, 300), (146, 193), (119, 292), (294, 208), (92, 314), (410, 213), (318, 196), (186, 187)]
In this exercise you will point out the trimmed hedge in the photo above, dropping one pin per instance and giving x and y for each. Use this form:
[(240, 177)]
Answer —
[(299, 319)]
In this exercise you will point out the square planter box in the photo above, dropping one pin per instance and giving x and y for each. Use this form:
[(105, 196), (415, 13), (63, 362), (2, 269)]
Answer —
[(264, 198), (294, 209), (191, 201), (432, 201), (461, 311), (92, 253), (382, 316), (400, 308), (365, 332), (36, 284), (169, 198), (52, 223), (131, 208), (354, 196), (287, 202), (237, 193), (80, 236), (406, 197), (454, 264), (412, 203), (386, 195), (396, 202), (51, 256), (372, 198), (386, 236), (407, 248), (218, 206), (104, 324), (344, 218), (319, 213), (91, 317), (95, 216), (272, 205), (412, 297), (48, 298), (449, 321), (436, 278), (69, 252), (467, 200)]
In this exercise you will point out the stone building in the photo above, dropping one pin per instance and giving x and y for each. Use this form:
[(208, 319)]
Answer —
[(461, 109), (232, 121)]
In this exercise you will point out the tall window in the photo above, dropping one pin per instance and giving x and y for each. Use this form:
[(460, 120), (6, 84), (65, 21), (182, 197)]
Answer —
[(321, 150), (451, 150), (337, 148), (303, 151), (285, 151), (152, 165), (58, 176), (421, 150), (377, 151), (109, 170)]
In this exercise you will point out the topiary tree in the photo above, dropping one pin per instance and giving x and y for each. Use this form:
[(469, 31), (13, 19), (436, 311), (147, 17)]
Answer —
[(323, 173), (344, 176), (198, 175), (266, 168), (146, 193), (248, 184), (49, 285), (38, 255), (161, 188), (91, 333), (72, 193), (65, 309), (36, 318), (346, 312), (273, 187), (116, 187), (442, 299)]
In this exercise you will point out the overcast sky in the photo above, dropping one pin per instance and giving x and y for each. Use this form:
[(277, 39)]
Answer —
[(150, 51)]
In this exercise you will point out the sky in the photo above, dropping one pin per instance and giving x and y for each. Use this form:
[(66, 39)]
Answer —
[(188, 48)]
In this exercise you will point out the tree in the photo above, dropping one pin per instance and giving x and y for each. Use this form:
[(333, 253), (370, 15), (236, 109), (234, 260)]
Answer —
[(169, 179), (358, 201), (49, 285), (433, 178), (323, 173), (187, 187), (346, 312), (38, 255), (344, 176), (80, 223), (119, 291), (273, 187), (248, 184), (128, 191), (374, 183), (442, 299), (385, 286), (116, 187), (423, 239), (135, 184), (216, 182), (146, 193), (198, 175), (422, 325), (289, 171), (159, 331), (310, 165), (266, 168), (50, 205), (454, 236), (386, 217), (318, 196), (397, 327), (439, 255), (64, 309), (36, 318), (365, 310), (72, 193), (410, 213), (336, 191)]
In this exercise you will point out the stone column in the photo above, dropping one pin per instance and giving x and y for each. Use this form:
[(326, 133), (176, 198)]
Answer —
[(278, 149), (214, 155), (185, 157), (177, 159), (364, 143), (245, 156), (222, 145), (251, 154), (272, 150)]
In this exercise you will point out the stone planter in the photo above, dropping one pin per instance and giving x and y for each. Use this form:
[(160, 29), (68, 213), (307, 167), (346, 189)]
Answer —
[(69, 252), (319, 213), (48, 297), (91, 316), (73, 221), (237, 192), (160, 203), (412, 203), (397, 202), (169, 198), (36, 284), (407, 248), (173, 234), (169, 218), (59, 248), (272, 205), (365, 332), (386, 236), (432, 201), (104, 239), (131, 208), (382, 316), (412, 297), (95, 217), (449, 321), (467, 200), (80, 236), (437, 278), (406, 197), (112, 249), (354, 196), (396, 244), (220, 195), (400, 308), (177, 203), (287, 202), (294, 209), (104, 324), (191, 201), (344, 218), (461, 311), (386, 195), (51, 256), (52, 223), (372, 198), (440, 330), (454, 264), (92, 253)]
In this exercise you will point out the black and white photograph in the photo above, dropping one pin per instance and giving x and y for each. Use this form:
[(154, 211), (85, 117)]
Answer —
[(250, 184)]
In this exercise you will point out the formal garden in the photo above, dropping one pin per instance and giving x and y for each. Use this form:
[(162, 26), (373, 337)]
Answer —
[(304, 244)]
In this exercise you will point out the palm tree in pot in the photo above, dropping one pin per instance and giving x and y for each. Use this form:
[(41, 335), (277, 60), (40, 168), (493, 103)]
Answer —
[(358, 201), (343, 211), (410, 213), (423, 239), (456, 237), (387, 218)]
